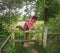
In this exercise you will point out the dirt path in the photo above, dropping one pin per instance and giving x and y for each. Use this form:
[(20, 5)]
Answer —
[(34, 51)]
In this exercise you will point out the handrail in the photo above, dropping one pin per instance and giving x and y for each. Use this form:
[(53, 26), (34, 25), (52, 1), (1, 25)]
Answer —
[(53, 33), (27, 40), (5, 42)]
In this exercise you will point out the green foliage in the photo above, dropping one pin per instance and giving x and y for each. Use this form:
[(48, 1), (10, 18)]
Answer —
[(5, 24), (8, 48), (51, 8), (40, 9), (20, 49), (25, 18), (54, 23), (39, 48), (20, 35), (53, 40), (51, 49), (7, 19)]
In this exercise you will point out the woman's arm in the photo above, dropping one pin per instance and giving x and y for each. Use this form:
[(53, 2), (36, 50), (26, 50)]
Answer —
[(34, 27)]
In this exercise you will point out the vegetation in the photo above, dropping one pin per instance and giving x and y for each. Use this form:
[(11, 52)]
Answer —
[(45, 10), (53, 40)]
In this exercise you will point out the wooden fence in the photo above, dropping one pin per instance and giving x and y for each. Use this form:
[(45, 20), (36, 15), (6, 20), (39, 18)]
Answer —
[(44, 39)]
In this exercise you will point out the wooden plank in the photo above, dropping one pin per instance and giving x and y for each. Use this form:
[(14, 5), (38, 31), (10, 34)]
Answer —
[(27, 40), (18, 31), (33, 31), (1, 51), (5, 42), (12, 39), (53, 33), (45, 37)]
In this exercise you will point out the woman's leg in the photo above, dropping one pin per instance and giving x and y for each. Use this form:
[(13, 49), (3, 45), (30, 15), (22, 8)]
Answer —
[(27, 35), (24, 29), (21, 28)]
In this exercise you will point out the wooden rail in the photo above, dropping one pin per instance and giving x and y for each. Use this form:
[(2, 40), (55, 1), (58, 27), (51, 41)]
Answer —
[(5, 42), (18, 41), (53, 33), (27, 41), (34, 31)]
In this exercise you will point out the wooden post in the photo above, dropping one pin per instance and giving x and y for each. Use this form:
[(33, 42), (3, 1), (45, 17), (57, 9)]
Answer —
[(45, 37), (12, 39), (0, 50)]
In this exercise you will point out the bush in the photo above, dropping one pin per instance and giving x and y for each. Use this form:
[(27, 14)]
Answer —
[(54, 39), (54, 23)]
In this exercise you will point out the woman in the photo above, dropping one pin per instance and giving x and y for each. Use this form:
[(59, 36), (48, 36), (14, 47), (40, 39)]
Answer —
[(28, 24)]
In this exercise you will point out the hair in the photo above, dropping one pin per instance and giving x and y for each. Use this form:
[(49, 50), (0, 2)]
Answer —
[(34, 17)]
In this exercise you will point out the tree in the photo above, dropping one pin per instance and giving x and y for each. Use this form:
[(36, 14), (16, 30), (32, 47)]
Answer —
[(52, 7), (53, 44), (40, 9)]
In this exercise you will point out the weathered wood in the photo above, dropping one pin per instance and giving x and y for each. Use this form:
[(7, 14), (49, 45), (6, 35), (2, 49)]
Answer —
[(2, 51), (12, 39), (18, 31), (30, 31), (5, 42), (53, 33), (45, 37), (33, 31), (27, 40)]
